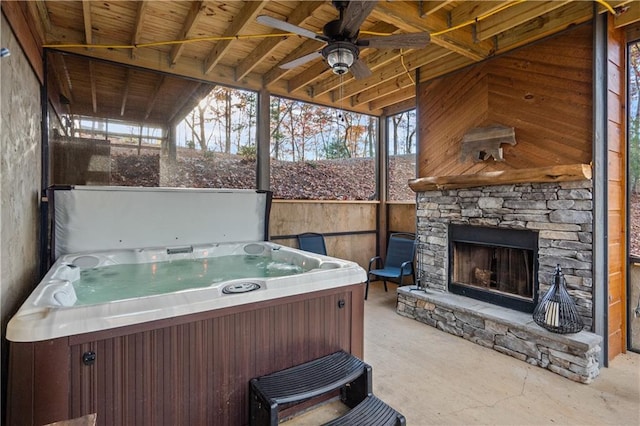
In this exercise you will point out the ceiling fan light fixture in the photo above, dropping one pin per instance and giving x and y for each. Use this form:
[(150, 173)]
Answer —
[(340, 56)]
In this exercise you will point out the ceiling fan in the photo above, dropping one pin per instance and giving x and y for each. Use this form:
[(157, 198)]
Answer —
[(343, 45)]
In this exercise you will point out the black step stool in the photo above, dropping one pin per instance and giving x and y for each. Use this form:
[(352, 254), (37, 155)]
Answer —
[(271, 393), (371, 411)]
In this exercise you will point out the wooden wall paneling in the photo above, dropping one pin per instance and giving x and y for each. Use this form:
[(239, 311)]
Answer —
[(617, 256), (295, 217), (543, 91), (448, 108), (402, 217), (25, 31)]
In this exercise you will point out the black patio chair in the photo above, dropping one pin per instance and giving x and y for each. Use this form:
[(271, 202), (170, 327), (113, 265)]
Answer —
[(398, 264), (313, 242)]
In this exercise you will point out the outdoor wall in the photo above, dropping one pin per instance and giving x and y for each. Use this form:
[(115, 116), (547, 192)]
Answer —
[(401, 216), (544, 91), (20, 143), (354, 222)]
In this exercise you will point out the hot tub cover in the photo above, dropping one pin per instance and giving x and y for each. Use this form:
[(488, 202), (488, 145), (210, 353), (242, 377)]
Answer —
[(89, 218)]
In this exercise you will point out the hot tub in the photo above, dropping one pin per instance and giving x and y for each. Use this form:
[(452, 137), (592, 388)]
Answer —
[(184, 356), (61, 305)]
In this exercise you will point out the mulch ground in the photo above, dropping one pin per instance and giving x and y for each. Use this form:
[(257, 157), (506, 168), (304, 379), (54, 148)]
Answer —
[(348, 179)]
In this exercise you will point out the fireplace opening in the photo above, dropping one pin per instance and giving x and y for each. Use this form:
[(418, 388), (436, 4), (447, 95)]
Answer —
[(495, 265)]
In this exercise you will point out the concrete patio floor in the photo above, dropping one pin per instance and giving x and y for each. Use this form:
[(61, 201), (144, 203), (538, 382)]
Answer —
[(434, 378)]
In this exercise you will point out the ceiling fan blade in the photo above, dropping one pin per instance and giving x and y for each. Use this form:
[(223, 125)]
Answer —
[(360, 70), (301, 60), (290, 28), (397, 41), (354, 15)]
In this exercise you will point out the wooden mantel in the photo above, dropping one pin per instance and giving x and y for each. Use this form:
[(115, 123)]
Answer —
[(563, 173)]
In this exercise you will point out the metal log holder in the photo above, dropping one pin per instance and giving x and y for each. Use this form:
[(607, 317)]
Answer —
[(557, 312), (419, 269)]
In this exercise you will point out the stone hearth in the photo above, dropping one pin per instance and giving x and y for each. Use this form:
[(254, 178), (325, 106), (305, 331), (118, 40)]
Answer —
[(574, 356), (561, 214)]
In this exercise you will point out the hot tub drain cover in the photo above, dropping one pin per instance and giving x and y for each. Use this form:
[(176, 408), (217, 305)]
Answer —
[(242, 287)]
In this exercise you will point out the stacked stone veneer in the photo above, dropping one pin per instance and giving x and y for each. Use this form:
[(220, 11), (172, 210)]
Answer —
[(561, 214)]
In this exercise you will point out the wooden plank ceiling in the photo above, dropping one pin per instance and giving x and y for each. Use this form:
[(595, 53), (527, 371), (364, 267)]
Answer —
[(220, 42)]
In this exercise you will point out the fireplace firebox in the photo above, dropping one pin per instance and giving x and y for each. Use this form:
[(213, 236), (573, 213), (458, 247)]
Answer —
[(495, 265)]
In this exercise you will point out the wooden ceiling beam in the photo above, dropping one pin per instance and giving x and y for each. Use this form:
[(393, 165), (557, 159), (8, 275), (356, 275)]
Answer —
[(393, 98), (276, 73), (399, 107), (194, 15), (154, 96), (125, 91), (406, 17), (514, 16), (62, 73), (247, 15), (560, 19), (440, 68), (86, 15), (154, 60), (94, 94), (188, 102), (394, 85), (137, 27), (471, 10), (411, 61), (428, 7), (315, 72), (299, 16), (629, 14), (38, 11)]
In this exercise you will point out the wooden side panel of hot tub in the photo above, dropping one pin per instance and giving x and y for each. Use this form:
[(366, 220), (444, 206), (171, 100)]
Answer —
[(190, 370)]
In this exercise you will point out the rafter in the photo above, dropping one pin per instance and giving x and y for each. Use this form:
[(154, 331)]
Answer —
[(125, 91), (406, 17), (394, 98), (514, 16), (299, 16), (189, 101), (137, 27), (630, 14), (86, 15), (154, 96), (196, 12), (411, 61), (62, 73), (439, 68), (558, 20), (471, 10), (247, 15), (94, 94), (38, 9), (401, 82), (276, 73), (399, 107), (314, 72), (428, 7)]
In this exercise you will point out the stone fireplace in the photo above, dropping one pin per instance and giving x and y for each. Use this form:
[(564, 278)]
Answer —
[(486, 251)]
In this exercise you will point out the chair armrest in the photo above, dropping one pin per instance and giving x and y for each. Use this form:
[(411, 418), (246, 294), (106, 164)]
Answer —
[(405, 264), (408, 263), (374, 259)]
